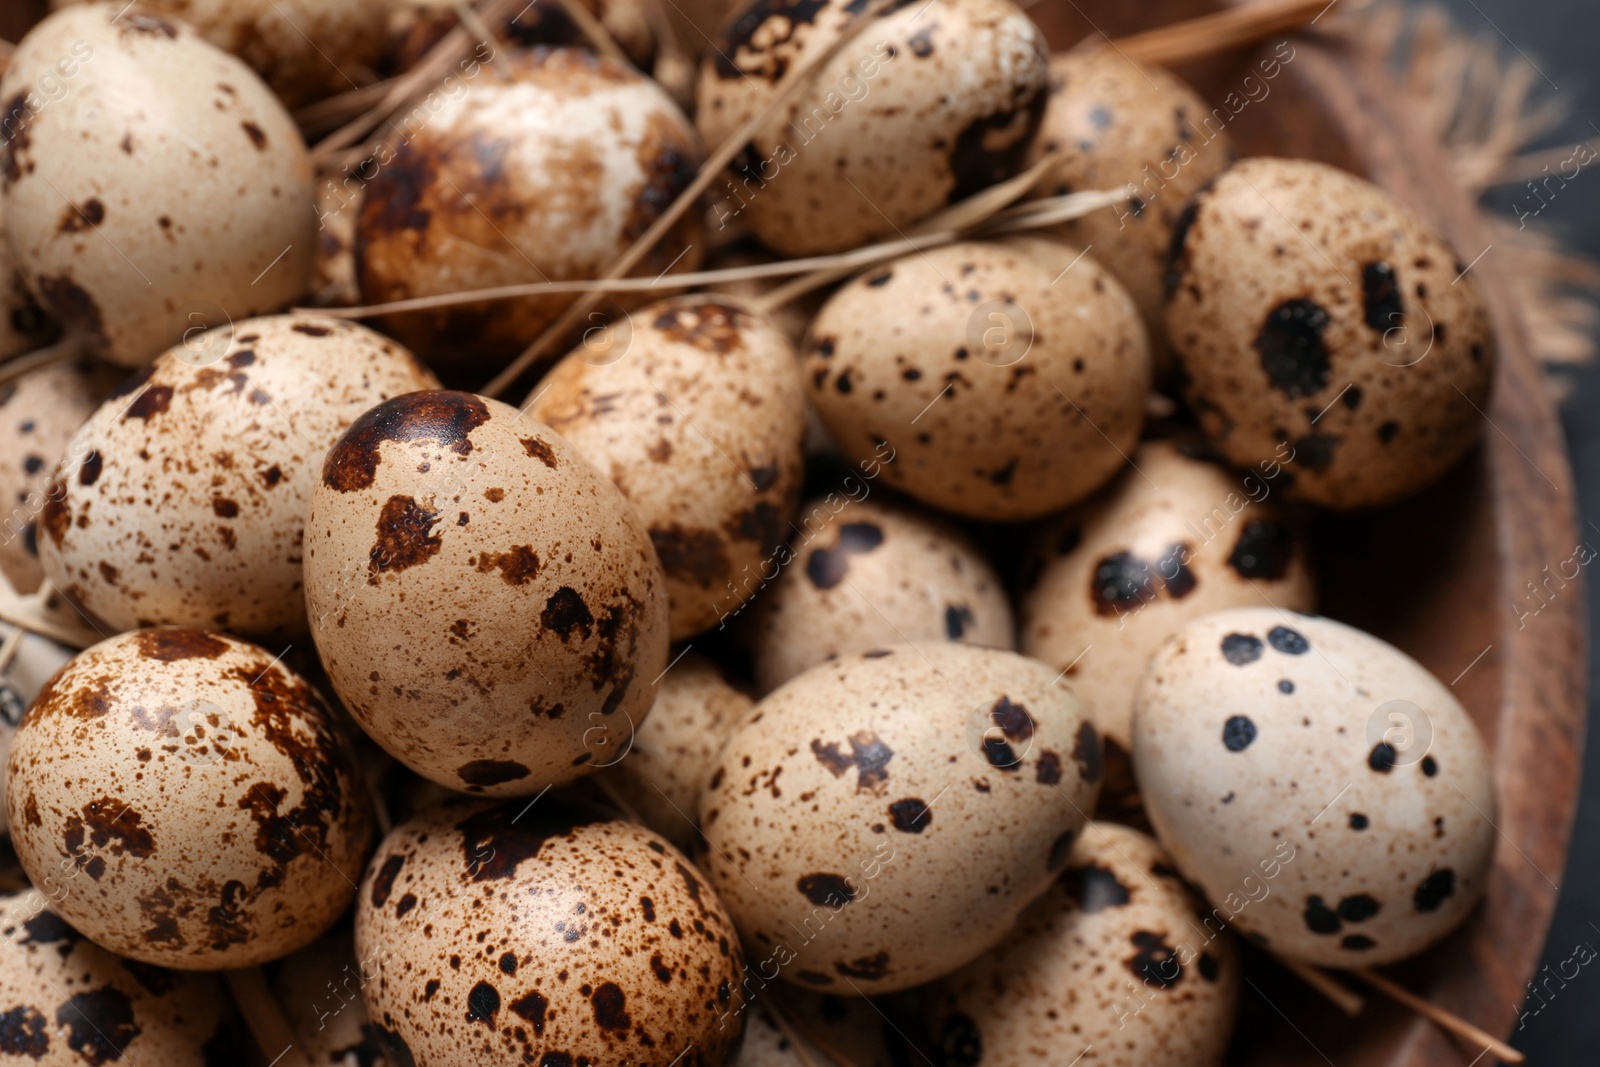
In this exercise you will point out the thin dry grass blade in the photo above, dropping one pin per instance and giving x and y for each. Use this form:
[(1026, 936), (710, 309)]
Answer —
[(1230, 28)]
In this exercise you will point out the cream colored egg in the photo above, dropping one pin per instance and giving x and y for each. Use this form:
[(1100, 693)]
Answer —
[(73, 1003), (220, 823), (1323, 326), (694, 408), (1116, 966), (863, 574), (890, 795), (1299, 751), (486, 604), (303, 49), (333, 279), (36, 659), (545, 168), (153, 185), (853, 1029), (674, 751), (544, 933), (1117, 122), (1175, 537), (23, 324), (183, 499), (39, 413), (319, 989), (929, 105), (997, 380)]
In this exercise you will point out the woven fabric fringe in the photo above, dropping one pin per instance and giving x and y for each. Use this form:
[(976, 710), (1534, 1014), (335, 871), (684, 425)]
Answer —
[(1486, 108)]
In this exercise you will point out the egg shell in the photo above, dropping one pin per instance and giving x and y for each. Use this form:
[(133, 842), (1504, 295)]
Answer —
[(39, 413), (545, 933), (486, 604), (183, 499), (929, 105), (1175, 537), (674, 751), (997, 380), (160, 188), (303, 49), (545, 168), (1323, 326), (221, 822), (1300, 753), (694, 409), (73, 1003), (861, 574), (853, 1028), (1113, 964), (333, 279), (1118, 122), (23, 323), (418, 25), (887, 794), (319, 989)]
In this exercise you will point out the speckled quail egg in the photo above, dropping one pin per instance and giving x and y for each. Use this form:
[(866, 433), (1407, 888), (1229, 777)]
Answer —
[(545, 933), (183, 499), (674, 751), (1116, 964), (1323, 325), (303, 49), (319, 989), (223, 824), (12, 706), (831, 1029), (694, 408), (1270, 741), (36, 659), (997, 380), (863, 574), (333, 276), (890, 794), (546, 169), (23, 324), (418, 25), (73, 1003), (486, 603), (1173, 538), (931, 104), (1118, 122), (152, 183), (39, 413)]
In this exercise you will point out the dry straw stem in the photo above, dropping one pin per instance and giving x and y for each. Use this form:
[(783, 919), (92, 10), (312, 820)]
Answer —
[(264, 1017), (468, 16), (1209, 34), (804, 75), (9, 647), (68, 348), (1347, 1000), (36, 614), (1439, 1017), (592, 28), (329, 112), (429, 71)]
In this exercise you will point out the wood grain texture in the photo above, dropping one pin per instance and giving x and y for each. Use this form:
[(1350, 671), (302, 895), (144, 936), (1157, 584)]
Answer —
[(1444, 575)]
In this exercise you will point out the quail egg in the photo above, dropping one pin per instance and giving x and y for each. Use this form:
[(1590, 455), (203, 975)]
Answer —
[(418, 25), (1265, 740), (1322, 325)]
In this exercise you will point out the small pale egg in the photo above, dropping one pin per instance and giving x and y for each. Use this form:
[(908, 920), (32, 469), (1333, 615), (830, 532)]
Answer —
[(1117, 122), (544, 933), (182, 500), (1300, 753), (931, 104), (862, 574), (73, 1003), (153, 185), (186, 801), (303, 49), (1176, 536), (486, 604), (1323, 326), (39, 413), (1111, 965), (851, 1029), (694, 408), (333, 279), (546, 168), (320, 991), (891, 794), (674, 751), (999, 380)]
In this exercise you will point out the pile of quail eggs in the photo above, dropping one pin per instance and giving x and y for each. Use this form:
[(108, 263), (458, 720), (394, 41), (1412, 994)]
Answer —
[(922, 672)]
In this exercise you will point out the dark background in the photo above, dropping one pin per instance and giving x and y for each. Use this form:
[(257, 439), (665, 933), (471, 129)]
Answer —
[(1558, 36)]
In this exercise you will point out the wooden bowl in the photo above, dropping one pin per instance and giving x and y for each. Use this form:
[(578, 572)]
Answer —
[(1444, 576)]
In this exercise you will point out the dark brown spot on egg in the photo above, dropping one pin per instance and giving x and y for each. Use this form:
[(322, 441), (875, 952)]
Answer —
[(866, 968), (565, 611), (1237, 733), (257, 137), (1048, 769), (1087, 752), (1060, 849), (1357, 942), (1094, 887), (24, 1032), (1241, 649), (89, 469), (483, 1004), (994, 147), (825, 888), (169, 644), (1380, 297), (1319, 918), (531, 1007), (518, 566), (609, 1007), (430, 415), (911, 815), (707, 324), (1262, 551), (691, 555), (152, 401), (868, 754), (383, 881), (1433, 890), (1154, 960), (1120, 581), (1358, 908), (1291, 348), (487, 772), (92, 213), (404, 537), (540, 451), (1382, 757), (495, 840), (960, 1043), (99, 1024)]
